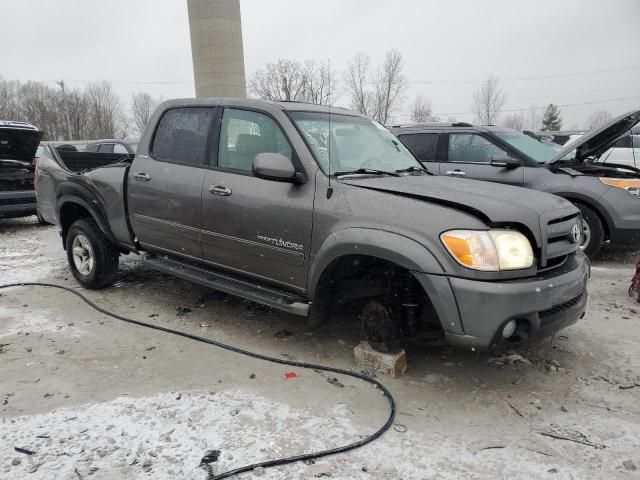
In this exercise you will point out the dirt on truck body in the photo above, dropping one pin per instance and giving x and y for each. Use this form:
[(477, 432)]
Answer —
[(300, 207)]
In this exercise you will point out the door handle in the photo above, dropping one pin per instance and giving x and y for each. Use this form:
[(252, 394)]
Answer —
[(142, 176), (456, 172), (220, 190)]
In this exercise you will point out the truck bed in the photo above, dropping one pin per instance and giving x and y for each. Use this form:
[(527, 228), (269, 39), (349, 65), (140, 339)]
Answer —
[(84, 161), (98, 177)]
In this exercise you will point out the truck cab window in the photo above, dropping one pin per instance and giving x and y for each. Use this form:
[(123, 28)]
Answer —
[(181, 136), (244, 135), (472, 148)]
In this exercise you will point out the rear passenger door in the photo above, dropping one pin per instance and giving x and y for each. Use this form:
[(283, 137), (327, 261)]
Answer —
[(424, 148), (165, 186), (468, 155), (251, 226)]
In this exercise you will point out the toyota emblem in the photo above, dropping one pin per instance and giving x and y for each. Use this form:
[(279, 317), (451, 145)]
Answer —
[(576, 234)]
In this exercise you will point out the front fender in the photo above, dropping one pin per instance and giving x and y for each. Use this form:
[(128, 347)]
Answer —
[(390, 246)]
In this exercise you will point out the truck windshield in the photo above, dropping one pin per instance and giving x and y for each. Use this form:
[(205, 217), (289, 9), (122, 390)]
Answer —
[(345, 143), (532, 148)]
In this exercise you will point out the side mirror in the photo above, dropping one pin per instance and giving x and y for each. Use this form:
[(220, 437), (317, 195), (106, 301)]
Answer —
[(505, 161), (276, 167)]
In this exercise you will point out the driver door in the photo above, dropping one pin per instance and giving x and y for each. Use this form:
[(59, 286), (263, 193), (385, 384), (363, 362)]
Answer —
[(251, 226), (468, 155)]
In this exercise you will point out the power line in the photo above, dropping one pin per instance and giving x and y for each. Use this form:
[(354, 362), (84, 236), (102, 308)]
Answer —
[(523, 79), (537, 108), (416, 82)]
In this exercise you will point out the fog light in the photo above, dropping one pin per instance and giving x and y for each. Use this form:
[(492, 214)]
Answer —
[(509, 329)]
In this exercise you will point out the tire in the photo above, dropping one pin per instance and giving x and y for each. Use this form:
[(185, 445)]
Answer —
[(593, 231), (41, 219), (94, 262)]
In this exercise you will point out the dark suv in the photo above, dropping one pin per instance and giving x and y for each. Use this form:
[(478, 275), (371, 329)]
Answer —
[(18, 145), (607, 194)]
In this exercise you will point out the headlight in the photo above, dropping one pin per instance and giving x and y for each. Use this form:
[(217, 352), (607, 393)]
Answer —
[(491, 250), (631, 186)]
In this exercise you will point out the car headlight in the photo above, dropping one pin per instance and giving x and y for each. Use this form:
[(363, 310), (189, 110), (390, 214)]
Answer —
[(489, 250), (631, 186)]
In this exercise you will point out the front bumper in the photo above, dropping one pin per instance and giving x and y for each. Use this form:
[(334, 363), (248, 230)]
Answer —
[(541, 305), (17, 204)]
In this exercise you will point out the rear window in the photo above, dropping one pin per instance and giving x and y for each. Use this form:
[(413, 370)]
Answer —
[(181, 136), (422, 145)]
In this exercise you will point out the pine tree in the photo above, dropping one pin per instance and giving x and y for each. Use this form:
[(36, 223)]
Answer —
[(551, 120)]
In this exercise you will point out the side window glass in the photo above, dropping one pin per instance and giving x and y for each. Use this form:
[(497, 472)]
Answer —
[(245, 134), (422, 145), (472, 148), (117, 148), (105, 148), (181, 136)]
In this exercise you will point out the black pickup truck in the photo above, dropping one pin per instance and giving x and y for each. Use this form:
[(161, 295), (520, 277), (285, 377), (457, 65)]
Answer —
[(302, 207)]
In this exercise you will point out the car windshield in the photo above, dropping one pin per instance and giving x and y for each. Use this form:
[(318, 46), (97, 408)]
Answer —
[(345, 143), (532, 148)]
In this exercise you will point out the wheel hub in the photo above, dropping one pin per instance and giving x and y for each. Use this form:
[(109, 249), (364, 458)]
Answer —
[(379, 328), (83, 257), (586, 235)]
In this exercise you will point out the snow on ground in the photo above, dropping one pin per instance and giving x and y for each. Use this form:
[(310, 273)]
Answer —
[(166, 435)]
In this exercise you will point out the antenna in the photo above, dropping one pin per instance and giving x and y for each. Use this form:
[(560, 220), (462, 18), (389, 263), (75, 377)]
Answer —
[(329, 188)]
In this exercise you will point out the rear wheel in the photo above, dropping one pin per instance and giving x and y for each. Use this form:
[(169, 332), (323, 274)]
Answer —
[(92, 259), (592, 231)]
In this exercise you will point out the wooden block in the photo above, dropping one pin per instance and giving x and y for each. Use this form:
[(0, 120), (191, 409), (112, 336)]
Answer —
[(391, 364)]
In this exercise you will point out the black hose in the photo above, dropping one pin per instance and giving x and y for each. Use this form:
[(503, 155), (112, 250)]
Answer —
[(269, 463)]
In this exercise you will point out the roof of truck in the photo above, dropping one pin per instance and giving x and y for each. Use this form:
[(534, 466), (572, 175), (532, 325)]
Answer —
[(282, 105)]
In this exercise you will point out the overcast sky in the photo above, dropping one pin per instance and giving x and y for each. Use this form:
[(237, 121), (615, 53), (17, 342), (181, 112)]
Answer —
[(144, 45)]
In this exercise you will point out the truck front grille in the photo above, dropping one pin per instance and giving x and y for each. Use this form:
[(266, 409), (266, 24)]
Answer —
[(558, 241), (17, 201)]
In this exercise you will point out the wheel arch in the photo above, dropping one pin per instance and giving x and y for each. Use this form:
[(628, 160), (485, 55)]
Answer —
[(391, 247)]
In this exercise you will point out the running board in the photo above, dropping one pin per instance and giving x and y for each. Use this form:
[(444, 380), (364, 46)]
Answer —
[(273, 298)]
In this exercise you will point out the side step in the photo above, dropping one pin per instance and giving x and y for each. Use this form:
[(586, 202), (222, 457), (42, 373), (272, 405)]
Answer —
[(274, 298)]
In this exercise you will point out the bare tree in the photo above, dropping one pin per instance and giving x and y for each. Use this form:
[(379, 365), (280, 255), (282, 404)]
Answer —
[(283, 80), (357, 78), (488, 101), (376, 93), (390, 83), (320, 83), (515, 121), (142, 105), (104, 109), (598, 118), (534, 118), (421, 110)]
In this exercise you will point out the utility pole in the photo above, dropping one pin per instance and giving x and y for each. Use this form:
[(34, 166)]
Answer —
[(66, 109)]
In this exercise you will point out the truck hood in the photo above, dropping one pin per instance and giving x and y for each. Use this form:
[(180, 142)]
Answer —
[(493, 203), (19, 144), (598, 141)]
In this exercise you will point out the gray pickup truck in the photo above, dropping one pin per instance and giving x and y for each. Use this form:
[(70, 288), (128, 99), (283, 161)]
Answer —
[(303, 207)]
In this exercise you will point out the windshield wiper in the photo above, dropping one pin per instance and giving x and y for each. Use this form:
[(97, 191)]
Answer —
[(366, 171), (414, 169)]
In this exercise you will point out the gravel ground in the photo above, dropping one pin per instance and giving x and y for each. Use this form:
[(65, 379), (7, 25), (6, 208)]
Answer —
[(95, 398)]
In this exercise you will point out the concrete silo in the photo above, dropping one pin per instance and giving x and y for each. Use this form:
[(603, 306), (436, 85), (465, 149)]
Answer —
[(216, 47)]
